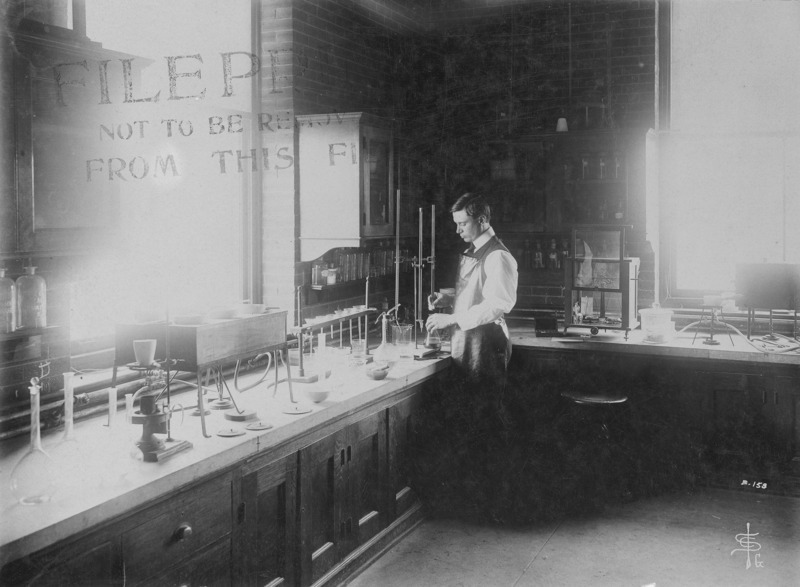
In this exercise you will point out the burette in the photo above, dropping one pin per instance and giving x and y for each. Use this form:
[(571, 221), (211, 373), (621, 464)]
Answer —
[(418, 263), (419, 266)]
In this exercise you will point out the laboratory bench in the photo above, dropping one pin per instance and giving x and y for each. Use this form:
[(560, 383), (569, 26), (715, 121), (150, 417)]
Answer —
[(300, 502), (312, 498), (736, 397)]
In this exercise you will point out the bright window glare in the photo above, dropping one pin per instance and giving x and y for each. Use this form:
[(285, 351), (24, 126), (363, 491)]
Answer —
[(729, 175), (177, 242)]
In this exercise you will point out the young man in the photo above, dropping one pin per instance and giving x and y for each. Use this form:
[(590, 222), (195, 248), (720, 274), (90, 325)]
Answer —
[(486, 289)]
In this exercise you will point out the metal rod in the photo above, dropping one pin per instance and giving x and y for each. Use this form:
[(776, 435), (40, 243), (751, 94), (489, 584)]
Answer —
[(433, 248), (166, 349), (416, 275), (418, 290), (397, 252), (300, 367), (366, 333)]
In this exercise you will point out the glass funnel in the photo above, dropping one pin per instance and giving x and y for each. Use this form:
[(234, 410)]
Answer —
[(33, 480)]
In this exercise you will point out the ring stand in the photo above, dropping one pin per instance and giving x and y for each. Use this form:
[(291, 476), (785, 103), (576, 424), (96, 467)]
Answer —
[(241, 416), (296, 410), (713, 311), (259, 425)]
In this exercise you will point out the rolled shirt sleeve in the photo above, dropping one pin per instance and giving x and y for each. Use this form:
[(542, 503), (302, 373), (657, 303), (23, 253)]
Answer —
[(499, 292)]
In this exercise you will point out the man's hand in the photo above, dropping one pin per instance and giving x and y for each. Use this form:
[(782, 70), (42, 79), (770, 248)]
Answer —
[(439, 322), (435, 300)]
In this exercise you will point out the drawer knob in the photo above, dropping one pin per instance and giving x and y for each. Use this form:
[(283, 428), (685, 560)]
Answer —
[(183, 531)]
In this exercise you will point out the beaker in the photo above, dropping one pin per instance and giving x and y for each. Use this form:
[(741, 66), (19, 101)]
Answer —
[(403, 339)]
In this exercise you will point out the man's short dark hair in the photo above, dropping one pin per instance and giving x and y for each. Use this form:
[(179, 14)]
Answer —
[(475, 205)]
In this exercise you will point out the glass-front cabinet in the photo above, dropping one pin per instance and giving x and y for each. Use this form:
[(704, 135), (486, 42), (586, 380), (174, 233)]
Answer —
[(601, 281), (347, 181)]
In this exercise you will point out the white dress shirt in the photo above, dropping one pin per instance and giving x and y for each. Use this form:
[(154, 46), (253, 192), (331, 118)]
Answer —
[(498, 290)]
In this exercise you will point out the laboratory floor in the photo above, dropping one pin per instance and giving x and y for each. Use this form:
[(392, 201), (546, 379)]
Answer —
[(705, 538)]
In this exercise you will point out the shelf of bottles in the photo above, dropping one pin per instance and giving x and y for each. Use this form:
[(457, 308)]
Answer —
[(597, 186), (349, 264)]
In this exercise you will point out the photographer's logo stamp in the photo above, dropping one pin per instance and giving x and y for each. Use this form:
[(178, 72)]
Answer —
[(749, 545)]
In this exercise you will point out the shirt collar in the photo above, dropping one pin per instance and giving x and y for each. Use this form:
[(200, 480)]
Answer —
[(484, 238)]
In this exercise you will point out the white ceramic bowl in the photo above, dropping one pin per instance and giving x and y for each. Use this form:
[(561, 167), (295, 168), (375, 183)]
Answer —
[(317, 395), (377, 371)]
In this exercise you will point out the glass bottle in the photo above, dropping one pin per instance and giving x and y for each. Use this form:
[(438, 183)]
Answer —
[(33, 480), (31, 300), (8, 303)]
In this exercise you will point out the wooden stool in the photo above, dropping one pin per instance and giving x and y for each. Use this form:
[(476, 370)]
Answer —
[(596, 399)]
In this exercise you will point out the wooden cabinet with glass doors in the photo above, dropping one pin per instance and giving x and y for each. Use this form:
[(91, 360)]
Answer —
[(600, 281), (347, 181)]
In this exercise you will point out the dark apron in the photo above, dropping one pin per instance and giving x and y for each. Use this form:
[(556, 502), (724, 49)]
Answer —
[(481, 353)]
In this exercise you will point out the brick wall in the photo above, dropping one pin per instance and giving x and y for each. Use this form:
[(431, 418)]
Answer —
[(494, 71), (317, 57), (457, 74)]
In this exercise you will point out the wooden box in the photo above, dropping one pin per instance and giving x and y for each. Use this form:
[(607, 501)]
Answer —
[(200, 345)]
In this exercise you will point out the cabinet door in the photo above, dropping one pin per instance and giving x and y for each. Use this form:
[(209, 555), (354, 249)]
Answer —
[(367, 479), (323, 499), (784, 402), (726, 399), (378, 182), (265, 532), (401, 418), (343, 494)]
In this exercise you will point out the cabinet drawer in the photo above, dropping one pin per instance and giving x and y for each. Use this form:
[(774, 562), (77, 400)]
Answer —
[(209, 568), (177, 528)]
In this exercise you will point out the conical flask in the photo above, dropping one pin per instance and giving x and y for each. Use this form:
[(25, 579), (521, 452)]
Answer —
[(383, 354), (33, 480)]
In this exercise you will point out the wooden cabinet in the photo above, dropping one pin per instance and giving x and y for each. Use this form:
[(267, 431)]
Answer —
[(184, 539), (342, 494), (749, 416), (346, 186), (311, 508), (265, 533)]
